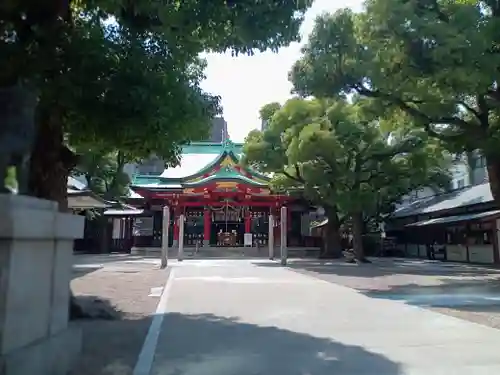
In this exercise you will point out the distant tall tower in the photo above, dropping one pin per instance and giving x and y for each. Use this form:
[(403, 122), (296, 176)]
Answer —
[(218, 133)]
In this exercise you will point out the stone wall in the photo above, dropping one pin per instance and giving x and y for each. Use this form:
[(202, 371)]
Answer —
[(36, 243)]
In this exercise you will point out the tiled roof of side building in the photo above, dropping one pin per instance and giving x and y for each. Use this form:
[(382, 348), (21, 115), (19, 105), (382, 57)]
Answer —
[(77, 185), (459, 198)]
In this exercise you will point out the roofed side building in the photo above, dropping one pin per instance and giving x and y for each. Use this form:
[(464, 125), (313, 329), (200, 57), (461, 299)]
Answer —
[(465, 172), (464, 224)]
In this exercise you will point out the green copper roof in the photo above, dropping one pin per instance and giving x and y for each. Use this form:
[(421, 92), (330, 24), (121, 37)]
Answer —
[(199, 156), (224, 174), (197, 159), (212, 148)]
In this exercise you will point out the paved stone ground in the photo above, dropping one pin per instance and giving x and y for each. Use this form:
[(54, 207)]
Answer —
[(250, 317), (125, 283), (256, 318), (464, 291)]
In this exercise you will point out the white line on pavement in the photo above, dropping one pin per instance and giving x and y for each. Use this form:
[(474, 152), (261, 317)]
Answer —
[(146, 357)]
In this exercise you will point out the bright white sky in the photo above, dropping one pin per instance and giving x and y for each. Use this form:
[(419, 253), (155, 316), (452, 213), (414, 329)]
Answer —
[(246, 83)]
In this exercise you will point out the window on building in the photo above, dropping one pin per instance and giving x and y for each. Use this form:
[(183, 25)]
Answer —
[(460, 183)]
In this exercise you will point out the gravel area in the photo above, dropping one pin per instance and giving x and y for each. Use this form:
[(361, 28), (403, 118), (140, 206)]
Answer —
[(406, 276), (111, 347)]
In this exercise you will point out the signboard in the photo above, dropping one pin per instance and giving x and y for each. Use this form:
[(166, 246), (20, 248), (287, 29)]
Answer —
[(248, 239), (143, 226)]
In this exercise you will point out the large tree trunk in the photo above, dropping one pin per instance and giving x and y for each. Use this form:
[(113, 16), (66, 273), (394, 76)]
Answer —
[(332, 246), (50, 166), (357, 223), (493, 167), (51, 161)]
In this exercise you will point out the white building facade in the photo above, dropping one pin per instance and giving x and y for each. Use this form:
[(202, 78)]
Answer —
[(466, 170)]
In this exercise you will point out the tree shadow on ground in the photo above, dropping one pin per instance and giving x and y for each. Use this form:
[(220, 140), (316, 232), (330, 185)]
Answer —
[(208, 344), (454, 286), (111, 340), (471, 296), (385, 267)]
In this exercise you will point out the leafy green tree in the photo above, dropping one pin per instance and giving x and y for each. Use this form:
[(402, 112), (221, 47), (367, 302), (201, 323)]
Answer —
[(131, 84), (338, 155), (267, 111), (434, 61), (267, 152), (103, 172)]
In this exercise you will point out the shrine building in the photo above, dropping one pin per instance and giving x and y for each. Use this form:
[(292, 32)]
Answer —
[(221, 203)]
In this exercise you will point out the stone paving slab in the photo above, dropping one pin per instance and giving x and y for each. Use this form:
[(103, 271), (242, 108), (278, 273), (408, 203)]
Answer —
[(241, 319)]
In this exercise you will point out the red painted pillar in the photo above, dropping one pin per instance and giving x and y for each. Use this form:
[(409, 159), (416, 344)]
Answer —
[(248, 222), (206, 226)]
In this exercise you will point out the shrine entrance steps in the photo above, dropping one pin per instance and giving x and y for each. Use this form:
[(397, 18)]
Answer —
[(228, 252)]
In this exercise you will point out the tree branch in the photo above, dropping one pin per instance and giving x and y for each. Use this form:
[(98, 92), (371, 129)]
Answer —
[(297, 172), (470, 109), (484, 111), (415, 113), (494, 94), (288, 175)]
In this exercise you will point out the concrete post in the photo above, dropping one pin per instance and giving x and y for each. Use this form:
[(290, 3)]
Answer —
[(271, 237), (164, 237), (175, 242), (180, 256), (283, 247)]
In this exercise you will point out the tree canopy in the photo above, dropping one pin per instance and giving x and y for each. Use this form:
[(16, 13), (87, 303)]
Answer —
[(436, 62), (336, 153), (103, 172), (125, 75)]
